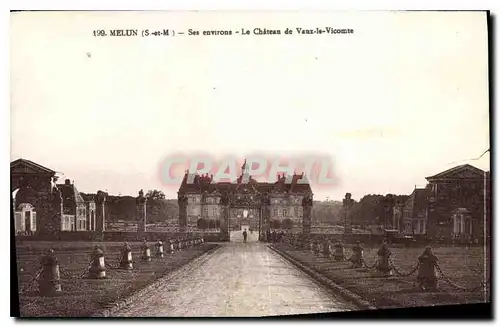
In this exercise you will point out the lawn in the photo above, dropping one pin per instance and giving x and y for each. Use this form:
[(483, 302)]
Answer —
[(82, 297), (464, 267)]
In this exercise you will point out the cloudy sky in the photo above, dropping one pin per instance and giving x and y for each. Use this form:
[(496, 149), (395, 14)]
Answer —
[(404, 97)]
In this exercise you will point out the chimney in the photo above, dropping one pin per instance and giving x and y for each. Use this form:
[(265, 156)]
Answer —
[(67, 182)]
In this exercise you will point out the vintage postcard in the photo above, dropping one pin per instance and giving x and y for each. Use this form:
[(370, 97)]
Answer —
[(250, 164)]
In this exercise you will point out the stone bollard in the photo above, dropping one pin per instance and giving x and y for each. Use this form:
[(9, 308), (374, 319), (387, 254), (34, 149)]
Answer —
[(159, 249), (97, 266), (383, 266), (126, 258), (49, 282), (171, 241), (426, 278), (316, 247), (146, 251), (357, 256), (326, 248), (339, 251)]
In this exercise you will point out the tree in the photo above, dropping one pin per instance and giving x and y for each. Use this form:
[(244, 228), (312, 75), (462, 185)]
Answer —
[(375, 209), (155, 195), (287, 223)]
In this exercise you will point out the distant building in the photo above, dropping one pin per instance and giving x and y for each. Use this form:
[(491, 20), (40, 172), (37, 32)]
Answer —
[(74, 208), (44, 207), (35, 200), (414, 213), (90, 209), (455, 204), (245, 203), (459, 201)]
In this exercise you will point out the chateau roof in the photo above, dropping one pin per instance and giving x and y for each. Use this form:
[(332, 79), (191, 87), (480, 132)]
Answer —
[(417, 201), (203, 183), (70, 194)]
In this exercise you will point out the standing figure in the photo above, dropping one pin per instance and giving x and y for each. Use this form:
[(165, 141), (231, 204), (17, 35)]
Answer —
[(245, 235)]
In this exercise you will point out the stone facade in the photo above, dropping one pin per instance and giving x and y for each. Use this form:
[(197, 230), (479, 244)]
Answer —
[(74, 208), (41, 206), (455, 204), (90, 208), (415, 213), (465, 189), (245, 203), (33, 190)]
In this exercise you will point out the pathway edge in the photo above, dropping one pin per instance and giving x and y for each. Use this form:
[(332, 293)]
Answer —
[(120, 304), (358, 300)]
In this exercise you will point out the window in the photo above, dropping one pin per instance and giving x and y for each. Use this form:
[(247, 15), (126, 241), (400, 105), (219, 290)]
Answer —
[(33, 221), (285, 212), (276, 212), (66, 223), (27, 220), (296, 211), (214, 211), (205, 211)]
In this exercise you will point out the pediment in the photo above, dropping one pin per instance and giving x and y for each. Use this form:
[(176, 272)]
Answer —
[(460, 172), (468, 173), (22, 166)]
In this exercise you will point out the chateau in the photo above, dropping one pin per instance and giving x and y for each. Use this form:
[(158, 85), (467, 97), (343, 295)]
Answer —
[(245, 203)]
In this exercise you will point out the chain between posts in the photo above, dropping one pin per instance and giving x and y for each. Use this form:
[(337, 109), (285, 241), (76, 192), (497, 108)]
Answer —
[(451, 283), (368, 266), (32, 281), (399, 273)]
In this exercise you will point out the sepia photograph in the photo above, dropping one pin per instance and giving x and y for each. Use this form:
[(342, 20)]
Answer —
[(250, 164)]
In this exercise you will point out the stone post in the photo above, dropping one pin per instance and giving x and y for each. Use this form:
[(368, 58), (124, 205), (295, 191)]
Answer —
[(183, 202), (307, 203), (426, 277), (49, 282), (100, 211), (347, 205), (264, 220), (224, 224), (140, 212)]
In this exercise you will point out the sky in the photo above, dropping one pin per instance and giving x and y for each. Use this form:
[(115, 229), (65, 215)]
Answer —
[(403, 97)]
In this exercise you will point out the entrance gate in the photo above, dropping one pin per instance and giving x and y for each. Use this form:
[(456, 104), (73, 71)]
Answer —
[(239, 211)]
